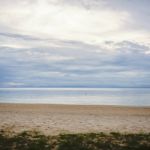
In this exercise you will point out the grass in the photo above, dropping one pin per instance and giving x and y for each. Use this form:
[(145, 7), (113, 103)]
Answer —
[(33, 140)]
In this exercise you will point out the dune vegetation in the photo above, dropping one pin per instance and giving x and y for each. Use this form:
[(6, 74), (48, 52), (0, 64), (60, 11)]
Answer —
[(34, 140)]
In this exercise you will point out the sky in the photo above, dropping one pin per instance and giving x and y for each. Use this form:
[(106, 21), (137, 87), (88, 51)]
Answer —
[(74, 43)]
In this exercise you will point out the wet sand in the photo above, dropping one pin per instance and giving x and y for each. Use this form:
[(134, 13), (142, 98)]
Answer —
[(55, 119)]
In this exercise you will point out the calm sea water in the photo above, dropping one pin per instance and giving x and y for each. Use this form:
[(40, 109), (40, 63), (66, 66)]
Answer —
[(101, 96)]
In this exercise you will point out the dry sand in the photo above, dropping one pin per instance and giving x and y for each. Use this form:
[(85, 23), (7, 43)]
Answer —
[(54, 119)]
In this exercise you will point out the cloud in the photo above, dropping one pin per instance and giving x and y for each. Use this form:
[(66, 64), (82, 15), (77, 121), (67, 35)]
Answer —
[(76, 64), (74, 43), (59, 20)]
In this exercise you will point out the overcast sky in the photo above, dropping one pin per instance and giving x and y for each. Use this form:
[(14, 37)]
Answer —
[(74, 43)]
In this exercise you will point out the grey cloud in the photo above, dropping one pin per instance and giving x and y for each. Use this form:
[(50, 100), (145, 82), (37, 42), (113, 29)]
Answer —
[(88, 68), (18, 36)]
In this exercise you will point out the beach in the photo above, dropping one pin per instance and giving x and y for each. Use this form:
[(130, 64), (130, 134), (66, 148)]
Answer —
[(55, 119)]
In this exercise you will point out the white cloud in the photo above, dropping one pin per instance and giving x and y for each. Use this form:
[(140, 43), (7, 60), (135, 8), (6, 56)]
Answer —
[(14, 84), (147, 52), (92, 22), (47, 19)]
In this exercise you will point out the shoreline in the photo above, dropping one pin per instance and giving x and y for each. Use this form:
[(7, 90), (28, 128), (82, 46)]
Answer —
[(59, 118), (75, 104)]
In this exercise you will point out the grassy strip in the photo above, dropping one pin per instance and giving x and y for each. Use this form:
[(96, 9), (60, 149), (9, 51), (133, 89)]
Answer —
[(33, 140)]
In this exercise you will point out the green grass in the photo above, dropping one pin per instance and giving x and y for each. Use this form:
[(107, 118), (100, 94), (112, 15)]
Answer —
[(33, 140)]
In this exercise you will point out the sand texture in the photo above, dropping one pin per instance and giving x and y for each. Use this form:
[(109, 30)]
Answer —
[(55, 119)]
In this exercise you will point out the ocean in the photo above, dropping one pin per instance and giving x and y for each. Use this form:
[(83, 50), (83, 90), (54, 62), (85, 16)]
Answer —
[(83, 96)]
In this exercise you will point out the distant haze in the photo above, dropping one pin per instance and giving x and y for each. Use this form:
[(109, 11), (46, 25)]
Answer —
[(74, 43)]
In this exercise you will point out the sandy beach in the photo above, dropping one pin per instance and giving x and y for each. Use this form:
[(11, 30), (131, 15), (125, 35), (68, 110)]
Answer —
[(55, 119)]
